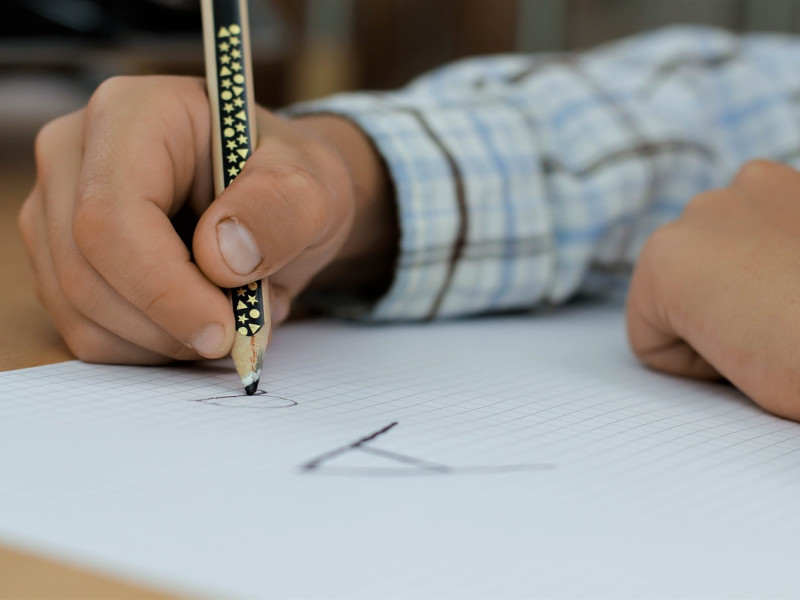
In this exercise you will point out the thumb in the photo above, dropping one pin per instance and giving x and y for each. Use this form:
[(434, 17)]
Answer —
[(291, 196)]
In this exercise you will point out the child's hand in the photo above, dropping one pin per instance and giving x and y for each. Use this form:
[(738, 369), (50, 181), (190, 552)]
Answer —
[(109, 265), (717, 292)]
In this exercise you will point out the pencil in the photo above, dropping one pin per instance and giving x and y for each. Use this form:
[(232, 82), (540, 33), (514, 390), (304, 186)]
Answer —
[(229, 76)]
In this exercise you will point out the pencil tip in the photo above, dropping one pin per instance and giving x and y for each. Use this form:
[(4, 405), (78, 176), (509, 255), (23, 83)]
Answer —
[(248, 356)]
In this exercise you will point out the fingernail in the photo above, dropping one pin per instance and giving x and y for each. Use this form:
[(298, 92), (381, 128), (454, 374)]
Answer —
[(238, 248), (208, 340)]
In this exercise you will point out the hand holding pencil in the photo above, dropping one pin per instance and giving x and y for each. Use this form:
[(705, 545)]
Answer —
[(124, 185), (307, 210)]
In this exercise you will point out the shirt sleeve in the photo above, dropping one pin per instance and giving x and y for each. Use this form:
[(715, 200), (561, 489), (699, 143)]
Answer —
[(523, 180)]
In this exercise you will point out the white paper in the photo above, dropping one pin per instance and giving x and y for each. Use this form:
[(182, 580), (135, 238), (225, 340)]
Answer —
[(526, 456)]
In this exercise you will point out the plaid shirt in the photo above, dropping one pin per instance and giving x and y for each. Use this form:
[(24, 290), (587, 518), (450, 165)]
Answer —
[(523, 180)]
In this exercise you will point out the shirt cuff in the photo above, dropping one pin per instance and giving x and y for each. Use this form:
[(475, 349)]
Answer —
[(427, 206)]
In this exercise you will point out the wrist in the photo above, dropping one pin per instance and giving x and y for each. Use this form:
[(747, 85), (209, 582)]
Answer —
[(365, 263)]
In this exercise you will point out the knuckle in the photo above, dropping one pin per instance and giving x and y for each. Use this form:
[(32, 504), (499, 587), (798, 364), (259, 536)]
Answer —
[(297, 181), (179, 351), (108, 92), (156, 302), (47, 138), (86, 342), (657, 244), (89, 218), (321, 154), (304, 194), (309, 193), (757, 170), (73, 282), (166, 92), (26, 222), (664, 252), (162, 303), (705, 204), (329, 163), (38, 291), (43, 142)]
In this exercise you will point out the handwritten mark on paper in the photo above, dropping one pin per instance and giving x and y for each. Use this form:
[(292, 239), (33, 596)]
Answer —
[(260, 399), (401, 464)]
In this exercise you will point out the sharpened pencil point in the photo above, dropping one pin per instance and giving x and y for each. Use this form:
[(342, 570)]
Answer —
[(248, 356)]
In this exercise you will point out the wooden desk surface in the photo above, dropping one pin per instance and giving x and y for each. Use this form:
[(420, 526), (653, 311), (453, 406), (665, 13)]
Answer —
[(27, 339)]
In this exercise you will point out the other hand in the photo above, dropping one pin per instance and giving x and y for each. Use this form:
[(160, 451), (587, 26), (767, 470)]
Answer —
[(716, 294)]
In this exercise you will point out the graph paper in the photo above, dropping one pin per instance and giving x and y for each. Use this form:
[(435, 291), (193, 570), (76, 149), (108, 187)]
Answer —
[(521, 456)]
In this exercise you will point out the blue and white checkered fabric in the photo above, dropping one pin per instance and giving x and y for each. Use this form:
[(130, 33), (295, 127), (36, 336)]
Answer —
[(520, 179)]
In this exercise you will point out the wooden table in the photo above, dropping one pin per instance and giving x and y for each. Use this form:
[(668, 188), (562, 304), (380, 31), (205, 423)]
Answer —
[(27, 339)]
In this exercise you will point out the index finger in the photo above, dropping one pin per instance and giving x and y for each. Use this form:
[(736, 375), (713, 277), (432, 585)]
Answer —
[(146, 153)]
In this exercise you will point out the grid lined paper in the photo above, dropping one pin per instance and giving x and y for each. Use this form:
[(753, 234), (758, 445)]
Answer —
[(520, 444)]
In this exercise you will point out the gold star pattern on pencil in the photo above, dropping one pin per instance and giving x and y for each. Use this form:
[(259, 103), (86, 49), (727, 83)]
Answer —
[(248, 318), (232, 90)]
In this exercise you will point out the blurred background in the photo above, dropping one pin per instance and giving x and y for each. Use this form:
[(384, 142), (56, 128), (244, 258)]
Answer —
[(53, 53)]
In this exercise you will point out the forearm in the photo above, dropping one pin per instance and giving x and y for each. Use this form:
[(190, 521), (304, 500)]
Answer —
[(365, 263), (515, 177), (366, 259)]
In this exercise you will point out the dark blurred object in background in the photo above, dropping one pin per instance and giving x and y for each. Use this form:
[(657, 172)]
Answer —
[(311, 48), (151, 34), (99, 19), (54, 53)]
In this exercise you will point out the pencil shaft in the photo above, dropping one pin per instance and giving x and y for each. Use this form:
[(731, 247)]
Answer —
[(230, 92), (229, 79)]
